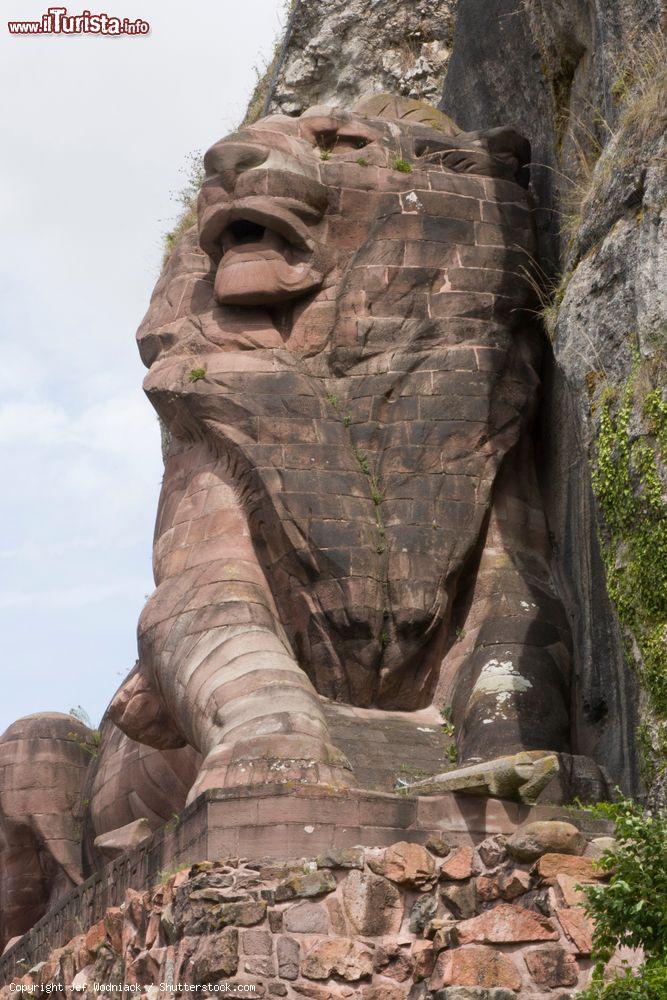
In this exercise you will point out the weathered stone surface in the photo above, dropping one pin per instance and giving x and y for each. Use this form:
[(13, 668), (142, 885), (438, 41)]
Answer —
[(423, 910), (578, 928), (598, 845), (342, 957), (474, 993), (215, 956), (256, 941), (439, 846), (43, 764), (506, 923), (372, 904), (405, 864), (566, 890), (503, 885), (474, 966), (242, 914), (550, 866), (314, 884), (459, 865), (125, 838), (423, 958), (113, 928), (393, 961), (552, 966), (518, 776), (350, 857), (443, 932), (306, 918), (460, 898), (552, 836), (288, 952), (387, 991), (339, 53), (493, 851)]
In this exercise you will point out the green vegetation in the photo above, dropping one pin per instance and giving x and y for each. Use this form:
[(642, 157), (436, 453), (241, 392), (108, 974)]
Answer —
[(449, 730), (639, 87), (402, 166), (629, 490), (362, 461), (631, 910), (362, 161), (638, 92), (196, 374), (90, 744), (325, 154), (364, 465), (447, 723), (187, 199)]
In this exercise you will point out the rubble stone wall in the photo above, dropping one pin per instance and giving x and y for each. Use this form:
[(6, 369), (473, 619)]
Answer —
[(497, 921)]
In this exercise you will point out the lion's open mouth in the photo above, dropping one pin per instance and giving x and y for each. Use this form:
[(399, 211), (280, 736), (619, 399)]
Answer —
[(264, 251)]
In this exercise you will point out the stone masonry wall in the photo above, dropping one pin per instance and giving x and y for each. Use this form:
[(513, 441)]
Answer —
[(495, 922)]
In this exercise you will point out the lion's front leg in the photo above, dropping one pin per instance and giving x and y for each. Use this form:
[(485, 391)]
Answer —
[(510, 670), (211, 642)]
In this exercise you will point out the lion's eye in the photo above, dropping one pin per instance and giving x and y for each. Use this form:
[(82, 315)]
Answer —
[(340, 142)]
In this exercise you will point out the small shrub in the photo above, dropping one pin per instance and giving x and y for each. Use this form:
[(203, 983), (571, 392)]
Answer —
[(447, 723), (362, 161), (325, 154), (196, 374), (376, 493), (81, 715), (362, 461), (187, 199), (402, 166), (631, 910), (90, 744)]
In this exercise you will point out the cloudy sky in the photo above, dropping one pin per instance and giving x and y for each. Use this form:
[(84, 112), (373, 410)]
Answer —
[(97, 136)]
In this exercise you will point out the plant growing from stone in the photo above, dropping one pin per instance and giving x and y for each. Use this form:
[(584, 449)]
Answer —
[(631, 910)]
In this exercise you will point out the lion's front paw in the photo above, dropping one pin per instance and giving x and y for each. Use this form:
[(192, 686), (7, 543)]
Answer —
[(285, 760)]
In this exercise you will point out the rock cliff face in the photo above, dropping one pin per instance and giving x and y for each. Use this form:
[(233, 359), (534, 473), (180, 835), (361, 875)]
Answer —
[(336, 51), (583, 80)]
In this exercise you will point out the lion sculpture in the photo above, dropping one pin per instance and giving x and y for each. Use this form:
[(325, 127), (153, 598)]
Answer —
[(347, 364)]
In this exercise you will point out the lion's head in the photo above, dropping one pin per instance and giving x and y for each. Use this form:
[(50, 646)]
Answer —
[(349, 326)]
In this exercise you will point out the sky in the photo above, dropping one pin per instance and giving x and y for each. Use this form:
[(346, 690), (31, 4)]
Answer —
[(98, 135)]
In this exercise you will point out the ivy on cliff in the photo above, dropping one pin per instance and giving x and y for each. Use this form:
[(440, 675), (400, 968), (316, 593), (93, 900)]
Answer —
[(630, 492)]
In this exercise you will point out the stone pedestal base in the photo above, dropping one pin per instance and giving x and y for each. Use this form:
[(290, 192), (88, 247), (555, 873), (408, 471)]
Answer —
[(276, 823), (441, 905)]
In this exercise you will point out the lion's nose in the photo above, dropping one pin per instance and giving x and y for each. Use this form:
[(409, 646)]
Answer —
[(234, 157)]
